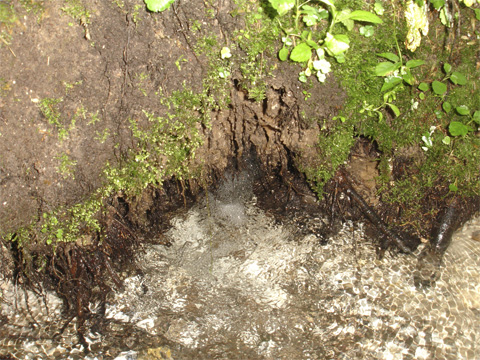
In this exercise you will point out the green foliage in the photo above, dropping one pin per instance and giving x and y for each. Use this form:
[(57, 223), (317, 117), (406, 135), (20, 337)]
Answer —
[(7, 18), (77, 11), (158, 5), (310, 44), (67, 166)]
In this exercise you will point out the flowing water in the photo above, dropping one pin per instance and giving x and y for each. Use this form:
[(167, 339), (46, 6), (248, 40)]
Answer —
[(237, 284)]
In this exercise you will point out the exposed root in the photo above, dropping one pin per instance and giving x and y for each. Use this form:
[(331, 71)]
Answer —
[(345, 185)]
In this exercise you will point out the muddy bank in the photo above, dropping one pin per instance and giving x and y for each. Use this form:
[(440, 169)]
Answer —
[(121, 120), (229, 280)]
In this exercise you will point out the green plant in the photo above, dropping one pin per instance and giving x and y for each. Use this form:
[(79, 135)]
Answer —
[(305, 43), (77, 11), (158, 5), (67, 166), (7, 19)]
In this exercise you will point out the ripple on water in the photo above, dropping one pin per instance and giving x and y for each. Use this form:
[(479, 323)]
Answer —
[(257, 288)]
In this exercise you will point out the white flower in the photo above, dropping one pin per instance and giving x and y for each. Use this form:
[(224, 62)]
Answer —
[(414, 105), (321, 76), (322, 65), (225, 53)]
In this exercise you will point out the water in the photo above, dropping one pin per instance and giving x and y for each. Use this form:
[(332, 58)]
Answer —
[(236, 284)]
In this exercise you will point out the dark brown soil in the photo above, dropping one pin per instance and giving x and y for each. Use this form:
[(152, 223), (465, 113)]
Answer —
[(50, 57)]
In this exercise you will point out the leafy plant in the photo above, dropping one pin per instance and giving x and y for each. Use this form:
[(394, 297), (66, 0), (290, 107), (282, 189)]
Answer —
[(394, 71), (304, 42), (158, 5)]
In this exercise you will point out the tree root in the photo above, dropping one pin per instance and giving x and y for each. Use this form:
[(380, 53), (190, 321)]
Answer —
[(345, 185)]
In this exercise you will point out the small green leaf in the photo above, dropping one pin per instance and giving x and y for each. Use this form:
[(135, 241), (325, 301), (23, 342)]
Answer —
[(390, 83), (385, 68), (446, 140), (447, 107), (437, 4), (283, 54), (476, 117), (477, 13), (421, 96), (302, 77), (414, 63), (439, 88), (340, 58), (158, 5), (301, 53), (456, 128), (458, 78), (395, 109), (423, 86), (463, 110), (408, 77), (452, 187), (366, 31), (447, 68), (282, 6), (390, 56), (344, 17), (378, 8), (336, 44), (365, 16)]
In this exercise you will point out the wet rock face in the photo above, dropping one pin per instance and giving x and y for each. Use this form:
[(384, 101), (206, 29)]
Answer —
[(237, 283)]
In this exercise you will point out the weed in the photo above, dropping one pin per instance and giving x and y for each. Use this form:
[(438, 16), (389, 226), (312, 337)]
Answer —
[(35, 6), (67, 166), (77, 11), (7, 19), (310, 44)]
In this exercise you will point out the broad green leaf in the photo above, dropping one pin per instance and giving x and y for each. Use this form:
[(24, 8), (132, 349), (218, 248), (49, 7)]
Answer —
[(361, 15), (423, 86), (390, 83), (312, 44), (477, 13), (476, 117), (408, 77), (340, 58), (458, 78), (447, 107), (390, 56), (343, 17), (439, 88), (301, 53), (283, 54), (453, 187), (463, 110), (158, 5), (385, 68), (414, 63), (395, 109), (456, 128), (447, 68), (282, 6), (437, 4), (336, 44), (310, 20)]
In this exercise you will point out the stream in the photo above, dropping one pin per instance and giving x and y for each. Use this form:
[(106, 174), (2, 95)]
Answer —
[(238, 284)]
